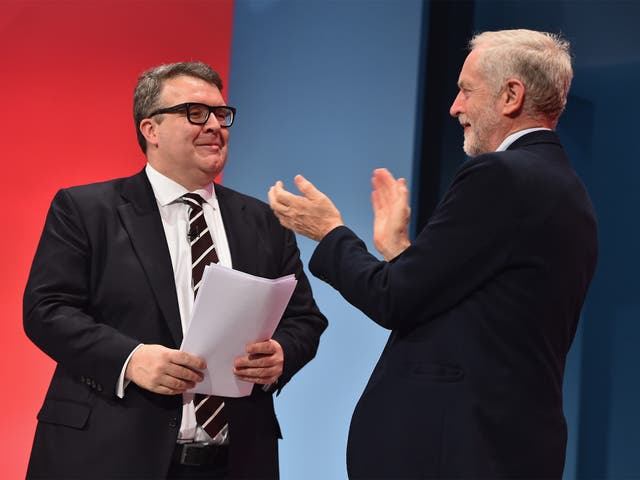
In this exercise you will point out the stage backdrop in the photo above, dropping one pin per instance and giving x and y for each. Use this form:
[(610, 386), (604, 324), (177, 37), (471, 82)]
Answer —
[(327, 89), (68, 72)]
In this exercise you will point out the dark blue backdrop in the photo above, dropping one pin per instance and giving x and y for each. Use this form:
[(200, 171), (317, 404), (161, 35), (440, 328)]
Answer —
[(599, 131)]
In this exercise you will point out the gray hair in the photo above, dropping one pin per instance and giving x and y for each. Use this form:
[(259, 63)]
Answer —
[(146, 94), (540, 60)]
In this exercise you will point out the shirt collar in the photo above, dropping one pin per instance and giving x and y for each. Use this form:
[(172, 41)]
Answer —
[(168, 191), (514, 136)]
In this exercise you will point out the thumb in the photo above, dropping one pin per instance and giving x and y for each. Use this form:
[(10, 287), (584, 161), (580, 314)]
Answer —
[(306, 187)]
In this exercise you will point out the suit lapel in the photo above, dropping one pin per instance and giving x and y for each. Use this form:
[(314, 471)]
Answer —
[(241, 236), (141, 220)]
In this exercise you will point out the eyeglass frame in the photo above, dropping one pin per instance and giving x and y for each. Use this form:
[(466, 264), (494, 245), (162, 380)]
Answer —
[(187, 106)]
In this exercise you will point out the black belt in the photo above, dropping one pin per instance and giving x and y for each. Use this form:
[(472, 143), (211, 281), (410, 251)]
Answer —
[(199, 454)]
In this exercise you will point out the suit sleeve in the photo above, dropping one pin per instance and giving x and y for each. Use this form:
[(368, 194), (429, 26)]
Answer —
[(464, 243), (57, 305)]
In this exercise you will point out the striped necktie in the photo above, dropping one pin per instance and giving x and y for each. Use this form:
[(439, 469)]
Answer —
[(210, 413)]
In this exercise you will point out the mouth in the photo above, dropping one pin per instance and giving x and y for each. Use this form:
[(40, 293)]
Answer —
[(212, 146), (209, 141)]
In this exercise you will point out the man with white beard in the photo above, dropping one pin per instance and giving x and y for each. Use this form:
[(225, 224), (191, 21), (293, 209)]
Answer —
[(483, 305)]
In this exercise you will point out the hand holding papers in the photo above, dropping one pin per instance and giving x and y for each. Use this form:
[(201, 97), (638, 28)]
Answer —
[(231, 310)]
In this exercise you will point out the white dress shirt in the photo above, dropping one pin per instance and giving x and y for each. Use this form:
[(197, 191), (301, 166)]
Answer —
[(175, 220)]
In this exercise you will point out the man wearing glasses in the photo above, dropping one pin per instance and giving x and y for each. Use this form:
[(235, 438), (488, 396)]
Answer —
[(113, 283)]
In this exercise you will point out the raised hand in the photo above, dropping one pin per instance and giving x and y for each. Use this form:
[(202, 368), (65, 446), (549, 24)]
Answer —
[(312, 215), (390, 202)]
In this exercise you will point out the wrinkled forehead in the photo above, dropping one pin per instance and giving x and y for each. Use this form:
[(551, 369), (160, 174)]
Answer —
[(470, 71)]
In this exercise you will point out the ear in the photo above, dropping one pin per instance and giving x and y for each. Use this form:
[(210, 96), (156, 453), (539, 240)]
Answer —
[(513, 97), (149, 129)]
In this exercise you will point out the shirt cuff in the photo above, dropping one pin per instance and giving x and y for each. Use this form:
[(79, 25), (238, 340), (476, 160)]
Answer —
[(122, 383)]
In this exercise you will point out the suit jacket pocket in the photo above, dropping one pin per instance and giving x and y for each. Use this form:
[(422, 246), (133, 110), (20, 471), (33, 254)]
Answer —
[(432, 372), (64, 412)]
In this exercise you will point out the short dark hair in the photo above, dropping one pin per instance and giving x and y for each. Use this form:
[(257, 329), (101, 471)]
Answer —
[(149, 85)]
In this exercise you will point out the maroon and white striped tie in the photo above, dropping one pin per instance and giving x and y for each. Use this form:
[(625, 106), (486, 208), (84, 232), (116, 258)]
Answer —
[(210, 413)]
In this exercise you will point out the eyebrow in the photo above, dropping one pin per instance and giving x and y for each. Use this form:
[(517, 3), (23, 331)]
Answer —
[(466, 85)]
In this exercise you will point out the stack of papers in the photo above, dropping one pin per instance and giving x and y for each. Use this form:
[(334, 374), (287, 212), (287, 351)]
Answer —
[(232, 309)]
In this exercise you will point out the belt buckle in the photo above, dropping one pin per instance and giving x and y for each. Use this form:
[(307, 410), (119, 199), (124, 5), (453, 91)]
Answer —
[(194, 454)]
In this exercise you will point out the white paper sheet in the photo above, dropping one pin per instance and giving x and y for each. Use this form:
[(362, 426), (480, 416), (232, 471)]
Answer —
[(231, 310)]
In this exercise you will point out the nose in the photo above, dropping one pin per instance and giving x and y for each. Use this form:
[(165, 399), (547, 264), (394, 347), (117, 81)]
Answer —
[(212, 123), (456, 106)]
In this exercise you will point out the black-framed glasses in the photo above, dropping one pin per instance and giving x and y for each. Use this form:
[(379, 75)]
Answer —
[(198, 113)]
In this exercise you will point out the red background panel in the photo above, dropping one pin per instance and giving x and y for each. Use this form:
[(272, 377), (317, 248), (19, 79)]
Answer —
[(68, 69)]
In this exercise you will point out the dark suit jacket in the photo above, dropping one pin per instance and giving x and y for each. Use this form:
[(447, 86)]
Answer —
[(100, 284), (482, 309)]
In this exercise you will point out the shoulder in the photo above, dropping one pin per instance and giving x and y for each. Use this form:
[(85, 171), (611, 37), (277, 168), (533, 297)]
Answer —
[(254, 212), (228, 195), (99, 189), (535, 174), (487, 172), (103, 194), (244, 213), (535, 154)]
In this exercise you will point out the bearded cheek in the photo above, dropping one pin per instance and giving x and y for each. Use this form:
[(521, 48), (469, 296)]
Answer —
[(468, 145)]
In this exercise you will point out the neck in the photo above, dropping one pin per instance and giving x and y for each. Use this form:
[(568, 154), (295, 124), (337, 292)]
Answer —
[(522, 123), (190, 180)]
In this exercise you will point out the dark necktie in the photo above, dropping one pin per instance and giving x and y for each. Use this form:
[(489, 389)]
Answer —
[(210, 413)]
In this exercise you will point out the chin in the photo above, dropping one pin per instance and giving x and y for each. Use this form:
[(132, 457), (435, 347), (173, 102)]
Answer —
[(214, 163), (469, 148)]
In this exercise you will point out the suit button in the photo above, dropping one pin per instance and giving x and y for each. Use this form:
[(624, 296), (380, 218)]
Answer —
[(173, 423)]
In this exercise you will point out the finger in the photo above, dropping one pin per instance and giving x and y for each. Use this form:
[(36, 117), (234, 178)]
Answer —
[(277, 192), (259, 373), (255, 361), (278, 208), (381, 175), (403, 190), (176, 385), (307, 188), (165, 390), (278, 188), (386, 175), (168, 385), (188, 360), (259, 380), (266, 347), (387, 180), (382, 171), (383, 181), (271, 195), (375, 202), (375, 181), (185, 374), (286, 199)]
